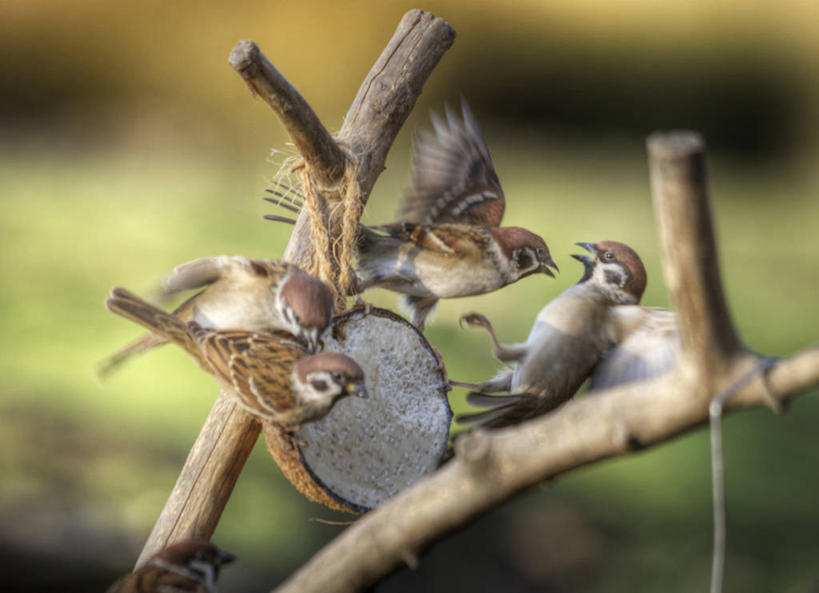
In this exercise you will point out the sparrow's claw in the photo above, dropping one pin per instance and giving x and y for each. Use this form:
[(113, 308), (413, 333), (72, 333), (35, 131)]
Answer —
[(474, 320), (453, 382), (362, 304)]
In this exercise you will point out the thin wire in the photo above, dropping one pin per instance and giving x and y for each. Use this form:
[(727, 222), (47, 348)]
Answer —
[(718, 468)]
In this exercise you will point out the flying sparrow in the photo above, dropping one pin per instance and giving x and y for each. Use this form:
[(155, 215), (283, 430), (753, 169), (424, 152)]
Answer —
[(186, 567), (251, 294), (270, 374), (448, 242), (590, 329)]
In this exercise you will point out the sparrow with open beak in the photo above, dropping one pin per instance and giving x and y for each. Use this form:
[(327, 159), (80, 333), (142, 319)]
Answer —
[(594, 328), (270, 374), (186, 567), (449, 242), (250, 294)]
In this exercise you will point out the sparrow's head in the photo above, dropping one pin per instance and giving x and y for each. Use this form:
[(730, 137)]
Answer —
[(197, 560), (615, 270), (306, 305), (527, 252), (327, 376)]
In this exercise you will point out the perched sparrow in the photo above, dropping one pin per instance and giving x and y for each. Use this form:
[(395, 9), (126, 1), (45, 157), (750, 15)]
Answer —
[(448, 242), (271, 376), (594, 327), (251, 294), (185, 567)]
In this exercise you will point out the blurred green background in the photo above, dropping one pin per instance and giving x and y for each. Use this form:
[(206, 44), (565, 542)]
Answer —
[(128, 145)]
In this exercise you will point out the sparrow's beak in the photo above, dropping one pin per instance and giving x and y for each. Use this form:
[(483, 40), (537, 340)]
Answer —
[(588, 247), (585, 259), (226, 557), (549, 263), (357, 389)]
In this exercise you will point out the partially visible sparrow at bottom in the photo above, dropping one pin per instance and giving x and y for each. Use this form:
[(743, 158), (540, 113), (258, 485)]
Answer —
[(270, 374), (186, 567)]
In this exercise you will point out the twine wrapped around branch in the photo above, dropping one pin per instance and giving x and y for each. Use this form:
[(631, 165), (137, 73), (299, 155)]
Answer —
[(332, 260)]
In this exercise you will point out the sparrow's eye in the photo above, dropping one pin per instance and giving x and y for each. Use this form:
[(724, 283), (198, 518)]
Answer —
[(337, 376), (608, 256), (540, 253)]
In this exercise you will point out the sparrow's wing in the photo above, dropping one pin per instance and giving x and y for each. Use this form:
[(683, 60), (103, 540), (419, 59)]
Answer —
[(647, 346), (258, 366), (453, 178), (446, 239), (207, 270)]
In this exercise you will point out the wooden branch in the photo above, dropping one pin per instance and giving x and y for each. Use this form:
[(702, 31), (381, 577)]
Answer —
[(491, 467), (325, 159), (207, 478), (680, 195), (381, 107)]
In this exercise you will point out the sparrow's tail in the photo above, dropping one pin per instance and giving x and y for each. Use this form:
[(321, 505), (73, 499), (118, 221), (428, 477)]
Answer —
[(501, 410), (143, 344), (162, 324)]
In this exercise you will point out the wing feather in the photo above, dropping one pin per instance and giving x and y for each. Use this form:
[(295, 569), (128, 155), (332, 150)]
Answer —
[(453, 179)]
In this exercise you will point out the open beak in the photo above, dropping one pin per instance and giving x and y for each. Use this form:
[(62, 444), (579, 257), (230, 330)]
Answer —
[(357, 389), (585, 259), (549, 263)]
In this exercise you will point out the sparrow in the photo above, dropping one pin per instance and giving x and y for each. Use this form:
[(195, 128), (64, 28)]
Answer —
[(185, 567), (594, 328), (270, 374), (448, 242), (251, 294)]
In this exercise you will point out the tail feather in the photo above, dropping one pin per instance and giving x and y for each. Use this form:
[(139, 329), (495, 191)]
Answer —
[(139, 346), (485, 400), (486, 418), (128, 305)]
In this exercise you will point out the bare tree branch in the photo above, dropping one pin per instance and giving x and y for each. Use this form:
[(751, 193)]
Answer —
[(313, 141), (207, 478), (490, 467), (678, 183), (381, 107)]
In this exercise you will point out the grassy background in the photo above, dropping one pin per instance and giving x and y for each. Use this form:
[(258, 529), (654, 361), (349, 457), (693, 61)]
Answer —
[(117, 165)]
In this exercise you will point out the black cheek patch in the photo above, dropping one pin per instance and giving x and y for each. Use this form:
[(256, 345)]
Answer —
[(613, 277), (319, 385), (525, 261)]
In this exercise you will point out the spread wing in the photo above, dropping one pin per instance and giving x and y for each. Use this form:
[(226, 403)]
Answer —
[(207, 270), (646, 344), (258, 366), (453, 177)]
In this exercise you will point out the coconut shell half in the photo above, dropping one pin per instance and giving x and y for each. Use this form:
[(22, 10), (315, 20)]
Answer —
[(367, 450)]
